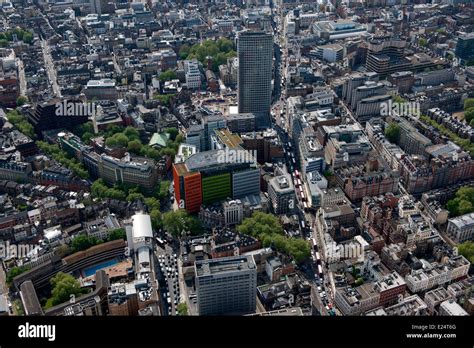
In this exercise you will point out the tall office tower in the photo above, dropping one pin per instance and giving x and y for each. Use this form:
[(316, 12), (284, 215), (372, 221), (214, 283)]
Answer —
[(255, 51), (96, 6), (465, 47), (226, 285)]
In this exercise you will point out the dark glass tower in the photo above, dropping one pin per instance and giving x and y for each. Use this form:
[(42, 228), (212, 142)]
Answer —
[(255, 51)]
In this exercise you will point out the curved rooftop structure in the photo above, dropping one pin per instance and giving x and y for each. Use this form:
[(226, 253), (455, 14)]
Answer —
[(142, 226)]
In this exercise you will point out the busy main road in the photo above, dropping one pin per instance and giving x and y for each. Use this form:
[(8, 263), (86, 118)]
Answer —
[(315, 270)]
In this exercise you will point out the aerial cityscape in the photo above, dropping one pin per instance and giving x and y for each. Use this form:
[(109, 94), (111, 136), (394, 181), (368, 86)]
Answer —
[(236, 158)]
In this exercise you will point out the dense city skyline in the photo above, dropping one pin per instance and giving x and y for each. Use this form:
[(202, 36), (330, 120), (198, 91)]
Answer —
[(236, 158)]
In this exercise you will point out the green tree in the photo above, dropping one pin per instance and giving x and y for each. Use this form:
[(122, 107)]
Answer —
[(468, 103), (118, 233), (114, 193), (218, 51), (134, 146), (21, 100), (62, 157), (112, 129), (163, 189), (28, 38), (184, 51), (117, 140), (15, 271), (260, 224), (85, 131), (152, 203), (182, 309), (131, 134), (135, 196), (167, 75), (328, 174), (63, 250), (99, 188), (173, 132), (63, 286), (268, 230), (21, 123), (422, 42), (469, 114), (86, 137), (462, 203), (392, 132), (164, 99), (180, 222), (156, 218), (83, 242), (466, 249), (225, 45), (466, 144)]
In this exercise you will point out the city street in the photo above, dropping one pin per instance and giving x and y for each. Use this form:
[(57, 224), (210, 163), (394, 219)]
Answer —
[(50, 69)]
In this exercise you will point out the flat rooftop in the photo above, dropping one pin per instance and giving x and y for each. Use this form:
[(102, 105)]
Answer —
[(224, 265)]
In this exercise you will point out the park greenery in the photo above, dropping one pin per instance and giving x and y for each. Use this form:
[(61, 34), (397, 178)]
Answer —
[(268, 230), (86, 131), (469, 111), (392, 132), (462, 203), (21, 123), (218, 51), (63, 286), (466, 249), (63, 158), (129, 138), (179, 223), (21, 35), (466, 144)]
